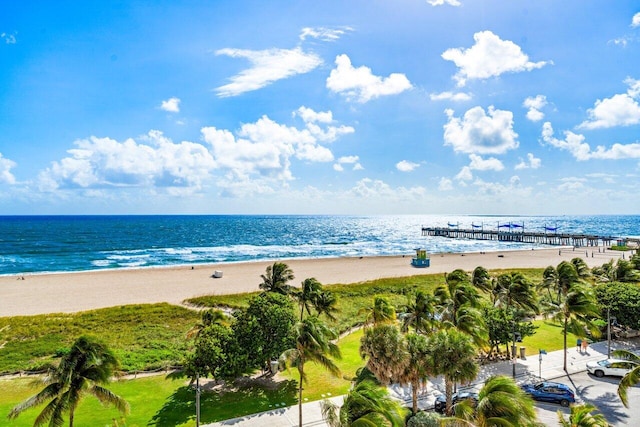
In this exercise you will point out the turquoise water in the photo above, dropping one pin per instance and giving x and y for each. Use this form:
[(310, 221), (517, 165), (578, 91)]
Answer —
[(30, 244)]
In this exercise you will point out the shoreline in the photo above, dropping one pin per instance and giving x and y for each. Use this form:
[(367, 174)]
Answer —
[(69, 292)]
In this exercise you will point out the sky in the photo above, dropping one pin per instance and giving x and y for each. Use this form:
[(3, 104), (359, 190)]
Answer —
[(520, 107)]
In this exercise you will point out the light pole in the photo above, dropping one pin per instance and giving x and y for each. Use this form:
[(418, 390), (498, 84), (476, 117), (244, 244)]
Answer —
[(608, 333)]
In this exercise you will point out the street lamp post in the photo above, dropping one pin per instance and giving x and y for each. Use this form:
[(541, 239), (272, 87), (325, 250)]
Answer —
[(608, 333)]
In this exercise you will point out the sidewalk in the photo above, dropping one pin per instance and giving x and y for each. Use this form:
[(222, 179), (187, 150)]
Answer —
[(527, 370)]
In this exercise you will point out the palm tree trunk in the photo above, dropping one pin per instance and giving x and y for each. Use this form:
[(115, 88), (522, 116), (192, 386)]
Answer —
[(448, 390), (70, 417), (414, 396)]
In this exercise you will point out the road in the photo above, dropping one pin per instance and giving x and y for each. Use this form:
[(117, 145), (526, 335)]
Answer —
[(601, 392)]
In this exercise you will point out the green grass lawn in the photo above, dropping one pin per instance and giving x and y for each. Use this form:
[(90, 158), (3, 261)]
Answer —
[(159, 401), (548, 337)]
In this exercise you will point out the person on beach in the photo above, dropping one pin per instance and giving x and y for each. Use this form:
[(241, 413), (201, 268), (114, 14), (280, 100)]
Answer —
[(579, 345)]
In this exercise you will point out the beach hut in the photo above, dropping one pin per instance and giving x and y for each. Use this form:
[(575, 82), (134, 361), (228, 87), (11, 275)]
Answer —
[(421, 259)]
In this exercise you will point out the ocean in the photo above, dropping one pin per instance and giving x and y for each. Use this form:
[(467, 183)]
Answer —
[(38, 244)]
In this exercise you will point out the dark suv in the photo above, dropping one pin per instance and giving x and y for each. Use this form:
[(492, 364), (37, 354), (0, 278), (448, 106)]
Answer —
[(441, 401), (550, 392)]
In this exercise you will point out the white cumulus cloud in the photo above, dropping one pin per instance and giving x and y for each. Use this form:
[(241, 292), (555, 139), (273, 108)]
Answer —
[(490, 56), (450, 96), (8, 38), (635, 21), (479, 132), (619, 110), (348, 160), (263, 151), (155, 161), (268, 66), (478, 163), (406, 166), (534, 104), (361, 84), (171, 105), (532, 162), (5, 170), (574, 143), (445, 184)]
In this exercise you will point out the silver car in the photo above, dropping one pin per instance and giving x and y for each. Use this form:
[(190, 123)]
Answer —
[(613, 367)]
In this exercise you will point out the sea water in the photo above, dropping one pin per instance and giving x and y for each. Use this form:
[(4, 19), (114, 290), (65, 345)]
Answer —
[(36, 244)]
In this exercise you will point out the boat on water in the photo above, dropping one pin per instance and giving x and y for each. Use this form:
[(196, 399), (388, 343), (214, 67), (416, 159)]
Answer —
[(421, 259)]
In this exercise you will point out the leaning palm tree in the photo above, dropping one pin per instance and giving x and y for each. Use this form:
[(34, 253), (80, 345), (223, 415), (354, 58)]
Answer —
[(84, 370), (575, 311), (326, 303), (452, 355), (276, 277), (419, 313), (581, 416), (381, 312), (208, 318), (500, 403), (458, 304), (631, 378), (514, 291), (313, 344), (307, 295), (366, 404)]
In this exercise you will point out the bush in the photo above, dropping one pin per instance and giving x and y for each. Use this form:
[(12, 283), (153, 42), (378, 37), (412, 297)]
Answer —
[(623, 300), (424, 419)]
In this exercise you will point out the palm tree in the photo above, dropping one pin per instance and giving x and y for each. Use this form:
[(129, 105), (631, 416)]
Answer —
[(386, 352), (549, 281), (313, 344), (581, 416), (581, 268), (276, 277), (381, 312), (513, 290), (574, 305), (459, 304), (500, 403), (481, 279), (312, 296), (209, 317), (326, 303), (419, 313), (84, 370), (307, 295), (574, 311), (631, 378), (418, 368), (366, 404), (452, 355)]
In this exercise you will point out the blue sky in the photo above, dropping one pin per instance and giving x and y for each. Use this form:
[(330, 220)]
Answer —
[(337, 107)]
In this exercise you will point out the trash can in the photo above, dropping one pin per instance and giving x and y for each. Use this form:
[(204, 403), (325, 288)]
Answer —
[(522, 350), (274, 366)]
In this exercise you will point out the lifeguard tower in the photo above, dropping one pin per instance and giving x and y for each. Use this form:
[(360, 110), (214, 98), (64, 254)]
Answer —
[(421, 259)]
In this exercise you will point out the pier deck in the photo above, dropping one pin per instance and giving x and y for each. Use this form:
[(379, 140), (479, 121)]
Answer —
[(558, 239)]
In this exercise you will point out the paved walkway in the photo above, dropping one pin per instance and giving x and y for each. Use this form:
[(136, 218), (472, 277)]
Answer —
[(527, 370)]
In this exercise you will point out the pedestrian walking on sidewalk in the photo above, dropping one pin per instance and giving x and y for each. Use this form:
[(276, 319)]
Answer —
[(579, 345), (585, 344)]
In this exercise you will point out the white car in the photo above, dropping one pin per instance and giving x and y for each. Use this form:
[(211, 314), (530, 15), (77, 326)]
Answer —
[(613, 367)]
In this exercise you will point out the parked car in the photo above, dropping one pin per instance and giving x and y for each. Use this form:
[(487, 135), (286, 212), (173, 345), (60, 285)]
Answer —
[(441, 401), (550, 392), (614, 367)]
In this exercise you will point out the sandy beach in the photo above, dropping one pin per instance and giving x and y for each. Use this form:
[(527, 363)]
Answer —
[(73, 292)]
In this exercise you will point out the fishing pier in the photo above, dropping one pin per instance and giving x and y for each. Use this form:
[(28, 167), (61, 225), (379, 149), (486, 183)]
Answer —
[(510, 232)]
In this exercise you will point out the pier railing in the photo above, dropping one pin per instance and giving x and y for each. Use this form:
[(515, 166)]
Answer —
[(560, 239)]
